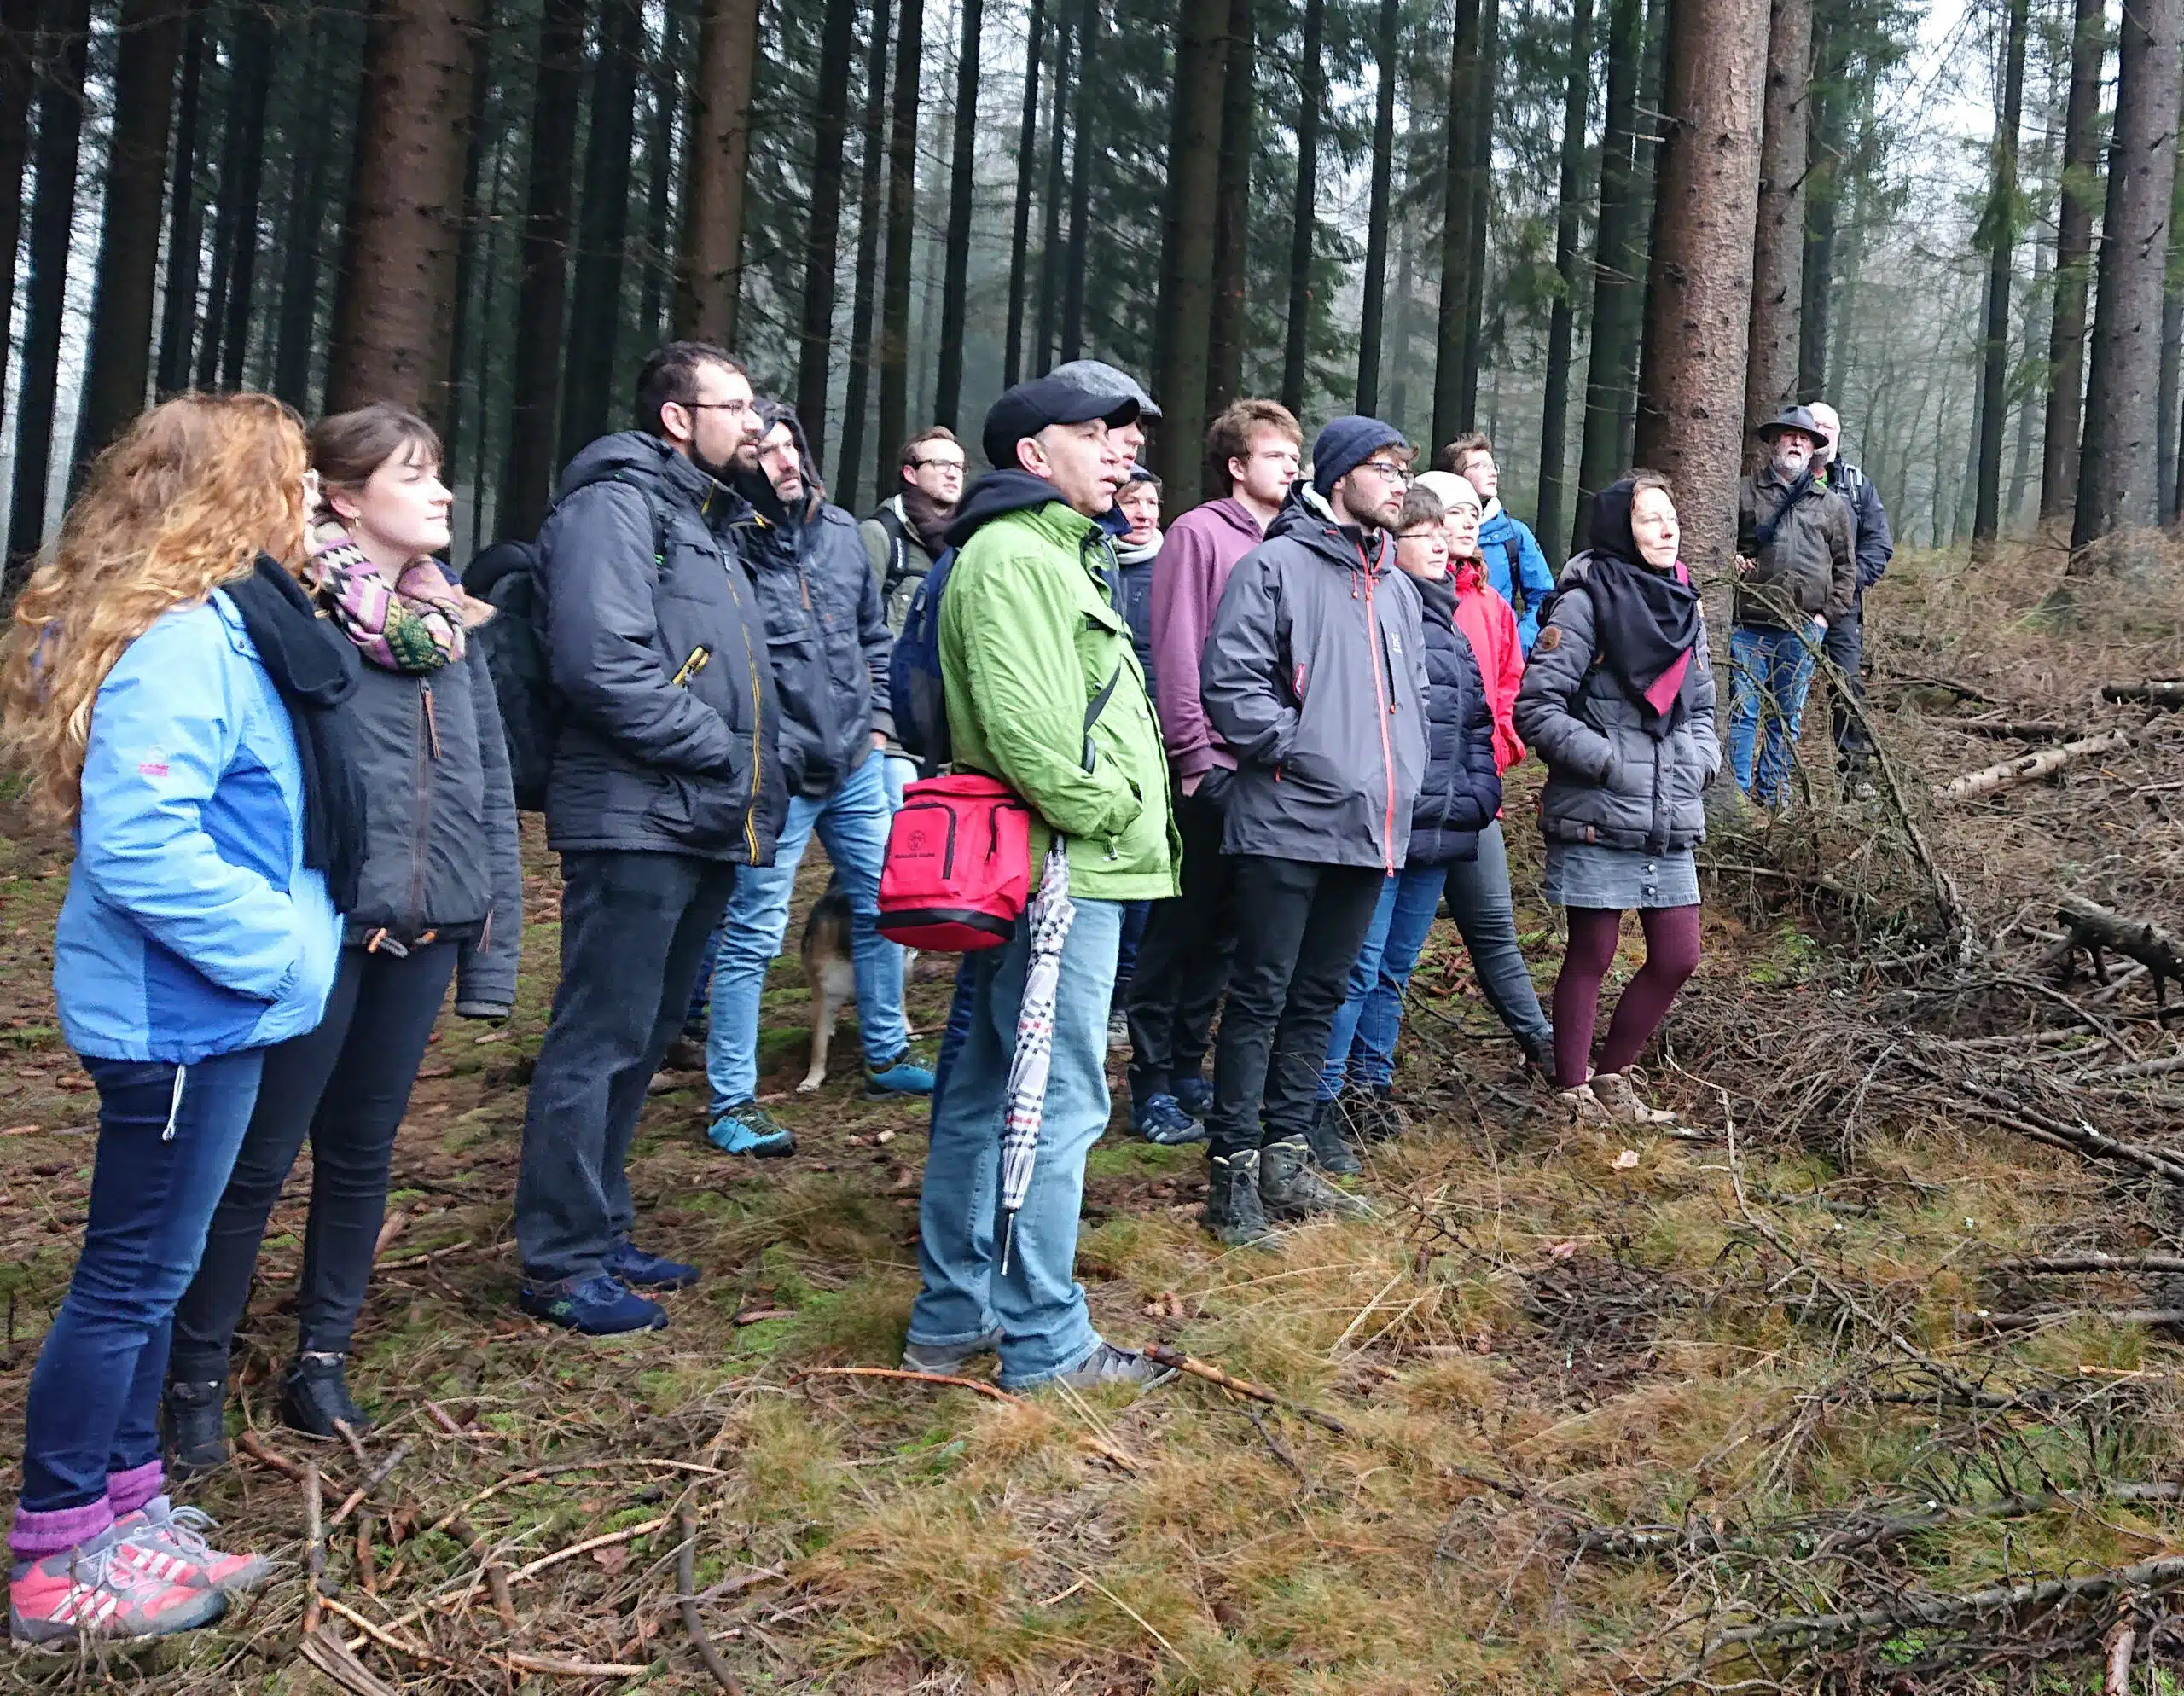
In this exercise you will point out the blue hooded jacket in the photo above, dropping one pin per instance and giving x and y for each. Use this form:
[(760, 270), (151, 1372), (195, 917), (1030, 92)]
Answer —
[(191, 926), (1500, 535)]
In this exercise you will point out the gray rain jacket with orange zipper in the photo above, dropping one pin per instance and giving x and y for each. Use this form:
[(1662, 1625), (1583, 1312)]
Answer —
[(1315, 676)]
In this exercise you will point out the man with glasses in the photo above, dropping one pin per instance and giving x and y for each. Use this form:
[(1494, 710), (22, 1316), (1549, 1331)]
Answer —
[(1315, 679), (667, 777), (903, 538)]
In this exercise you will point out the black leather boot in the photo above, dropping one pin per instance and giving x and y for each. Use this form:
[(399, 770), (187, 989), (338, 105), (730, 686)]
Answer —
[(1290, 1189), (1233, 1212), (1329, 1147), (315, 1393), (194, 1427)]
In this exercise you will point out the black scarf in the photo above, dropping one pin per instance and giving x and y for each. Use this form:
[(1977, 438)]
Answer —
[(928, 522), (313, 671), (1645, 622), (1764, 535)]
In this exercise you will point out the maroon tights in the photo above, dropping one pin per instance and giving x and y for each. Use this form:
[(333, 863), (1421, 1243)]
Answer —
[(1671, 957)]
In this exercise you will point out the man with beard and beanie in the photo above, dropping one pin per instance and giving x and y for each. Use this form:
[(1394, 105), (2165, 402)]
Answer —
[(1043, 693), (827, 633), (667, 777), (1315, 679), (1796, 575), (1873, 547), (904, 536)]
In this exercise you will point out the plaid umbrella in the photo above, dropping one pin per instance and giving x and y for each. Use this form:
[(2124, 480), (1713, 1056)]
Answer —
[(1052, 913)]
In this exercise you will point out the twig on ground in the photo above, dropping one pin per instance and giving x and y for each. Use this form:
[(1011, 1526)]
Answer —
[(315, 1546), (1161, 1354), (2089, 1263), (377, 1476), (686, 1587), (1098, 1445), (252, 1445)]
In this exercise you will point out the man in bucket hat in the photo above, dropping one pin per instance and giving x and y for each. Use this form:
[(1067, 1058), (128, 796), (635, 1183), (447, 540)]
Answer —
[(1797, 573)]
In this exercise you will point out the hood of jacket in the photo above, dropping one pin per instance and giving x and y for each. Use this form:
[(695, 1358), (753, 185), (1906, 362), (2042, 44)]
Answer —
[(997, 495), (1306, 518), (757, 488), (634, 457)]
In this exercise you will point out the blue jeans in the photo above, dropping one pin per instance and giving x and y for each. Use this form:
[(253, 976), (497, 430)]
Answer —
[(1036, 1302), (163, 1161), (852, 823), (1770, 670), (1362, 1045)]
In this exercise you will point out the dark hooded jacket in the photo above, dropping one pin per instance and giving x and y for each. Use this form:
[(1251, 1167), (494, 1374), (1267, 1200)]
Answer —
[(658, 650), (1461, 789), (1809, 564), (1315, 676), (826, 631)]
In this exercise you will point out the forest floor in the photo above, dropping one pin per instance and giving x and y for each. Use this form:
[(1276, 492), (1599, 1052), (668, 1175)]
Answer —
[(1766, 1408)]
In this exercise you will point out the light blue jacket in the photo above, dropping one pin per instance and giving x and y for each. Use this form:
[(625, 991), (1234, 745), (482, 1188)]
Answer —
[(1500, 535), (191, 928)]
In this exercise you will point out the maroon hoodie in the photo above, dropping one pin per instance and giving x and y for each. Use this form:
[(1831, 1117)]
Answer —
[(1200, 549)]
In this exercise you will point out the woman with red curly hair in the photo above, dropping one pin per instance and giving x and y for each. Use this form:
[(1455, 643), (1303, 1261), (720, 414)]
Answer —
[(169, 694)]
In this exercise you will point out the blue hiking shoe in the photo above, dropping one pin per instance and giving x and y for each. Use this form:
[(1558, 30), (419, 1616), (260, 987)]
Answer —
[(1160, 1118), (746, 1128), (901, 1075), (599, 1306), (1194, 1095), (642, 1271)]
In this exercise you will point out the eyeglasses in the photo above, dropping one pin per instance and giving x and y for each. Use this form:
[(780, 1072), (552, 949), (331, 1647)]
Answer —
[(936, 465), (1391, 473), (746, 406)]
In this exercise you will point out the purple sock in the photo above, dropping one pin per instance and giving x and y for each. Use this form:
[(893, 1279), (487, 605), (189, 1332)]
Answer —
[(126, 1492), (35, 1536)]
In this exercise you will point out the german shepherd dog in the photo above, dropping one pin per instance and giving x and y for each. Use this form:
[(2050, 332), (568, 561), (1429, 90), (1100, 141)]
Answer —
[(830, 972)]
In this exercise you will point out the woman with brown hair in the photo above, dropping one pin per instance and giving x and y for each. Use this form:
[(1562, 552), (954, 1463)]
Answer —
[(169, 694), (440, 899)]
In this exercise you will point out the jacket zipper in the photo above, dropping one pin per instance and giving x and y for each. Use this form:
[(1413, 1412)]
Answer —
[(428, 749), (757, 711), (1381, 710)]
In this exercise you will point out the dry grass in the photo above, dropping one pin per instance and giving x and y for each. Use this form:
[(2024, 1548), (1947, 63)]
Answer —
[(1593, 1416)]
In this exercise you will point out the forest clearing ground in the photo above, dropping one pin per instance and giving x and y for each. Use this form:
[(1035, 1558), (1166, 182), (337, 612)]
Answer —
[(1602, 1399)]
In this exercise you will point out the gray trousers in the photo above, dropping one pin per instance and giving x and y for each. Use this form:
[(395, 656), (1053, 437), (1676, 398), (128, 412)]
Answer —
[(1480, 902), (1844, 645)]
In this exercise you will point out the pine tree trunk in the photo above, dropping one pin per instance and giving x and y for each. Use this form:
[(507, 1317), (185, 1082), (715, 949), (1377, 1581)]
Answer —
[(489, 299), (1823, 185), (185, 218), (666, 77), (1228, 330), (2021, 465), (1483, 74), (226, 170), (1652, 79), (470, 240), (1027, 167), (1399, 359), (1376, 221), (1698, 300), (2172, 358), (1451, 416), (1617, 289), (542, 294), (1182, 377), (901, 232), (602, 229), (709, 272), (830, 119), (2081, 144), (63, 44), (1999, 230), (1554, 410), (1779, 230), (303, 230), (2115, 479), (119, 366), (1311, 94), (868, 261), (1050, 242), (18, 86), (390, 339), (253, 88), (1083, 157), (962, 183)]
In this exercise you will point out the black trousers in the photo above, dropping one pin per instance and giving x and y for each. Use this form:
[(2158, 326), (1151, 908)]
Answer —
[(1291, 973), (346, 1086), (1182, 961), (1844, 644)]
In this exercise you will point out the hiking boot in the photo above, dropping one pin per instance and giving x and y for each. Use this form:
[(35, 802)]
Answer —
[(901, 1075), (1584, 1106), (1619, 1095), (949, 1358), (1194, 1096), (746, 1128), (89, 1591), (194, 1427), (1290, 1189), (315, 1393), (598, 1306), (1330, 1148), (1233, 1210), (167, 1544), (1107, 1366), (642, 1271), (1160, 1118)]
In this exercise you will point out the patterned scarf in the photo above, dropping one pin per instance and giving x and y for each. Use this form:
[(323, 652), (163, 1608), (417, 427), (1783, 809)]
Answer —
[(416, 623)]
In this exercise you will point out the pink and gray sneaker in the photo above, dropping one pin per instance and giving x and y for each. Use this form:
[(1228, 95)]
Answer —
[(166, 1544), (91, 1592)]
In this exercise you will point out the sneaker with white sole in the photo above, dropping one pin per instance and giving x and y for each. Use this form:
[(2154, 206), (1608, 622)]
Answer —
[(1625, 1104), (1584, 1106), (948, 1359), (1108, 1365), (168, 1544), (89, 1593)]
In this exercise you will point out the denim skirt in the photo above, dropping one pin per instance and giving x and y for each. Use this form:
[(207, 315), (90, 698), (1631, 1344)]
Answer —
[(1592, 874)]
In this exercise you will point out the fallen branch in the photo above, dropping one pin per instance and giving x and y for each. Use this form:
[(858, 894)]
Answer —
[(1161, 1355), (2118, 1315), (2153, 692), (379, 1476), (627, 1534), (326, 1651), (2093, 926), (315, 1547), (686, 1596), (2160, 1068), (2089, 1263), (1100, 1446), (249, 1443), (534, 1474), (2021, 730), (2026, 767)]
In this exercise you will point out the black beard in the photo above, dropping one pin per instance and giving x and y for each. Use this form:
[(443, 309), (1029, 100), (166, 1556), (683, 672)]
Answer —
[(719, 473)]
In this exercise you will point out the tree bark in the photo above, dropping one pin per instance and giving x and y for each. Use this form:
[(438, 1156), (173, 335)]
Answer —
[(1779, 230), (1554, 410), (63, 44), (1652, 80), (2172, 360), (1699, 301), (303, 230), (1051, 252), (18, 87), (1181, 376), (252, 90), (1083, 156), (709, 274), (955, 276), (868, 262), (1823, 186), (2115, 479), (542, 291), (1484, 67), (1618, 288), (185, 219), (660, 179), (822, 224), (390, 339), (1232, 224), (1376, 222), (1451, 416), (119, 366), (602, 229), (2082, 142), (1999, 230), (902, 213), (470, 239), (1311, 94), (1399, 360), (1027, 166)]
